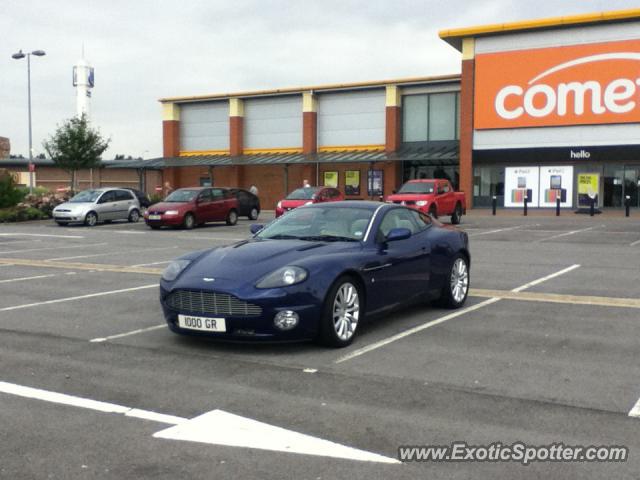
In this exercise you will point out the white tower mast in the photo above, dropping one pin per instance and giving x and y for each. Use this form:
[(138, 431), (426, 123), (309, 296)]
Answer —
[(83, 80)]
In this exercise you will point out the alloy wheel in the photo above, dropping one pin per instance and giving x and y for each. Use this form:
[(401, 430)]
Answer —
[(346, 311), (459, 280)]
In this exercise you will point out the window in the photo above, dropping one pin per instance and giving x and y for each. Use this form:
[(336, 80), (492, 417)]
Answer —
[(123, 195), (423, 221), (397, 218), (205, 196), (430, 117), (218, 193), (488, 181), (109, 196)]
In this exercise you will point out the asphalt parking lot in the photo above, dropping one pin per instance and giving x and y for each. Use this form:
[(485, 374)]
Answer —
[(546, 351)]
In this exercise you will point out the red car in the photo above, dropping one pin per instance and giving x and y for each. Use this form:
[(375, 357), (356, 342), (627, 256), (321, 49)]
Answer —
[(188, 207), (433, 196), (306, 196)]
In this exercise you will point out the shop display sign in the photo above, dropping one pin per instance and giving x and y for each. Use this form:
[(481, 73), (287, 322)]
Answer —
[(556, 182), (588, 187), (352, 182), (521, 182), (375, 182), (331, 179)]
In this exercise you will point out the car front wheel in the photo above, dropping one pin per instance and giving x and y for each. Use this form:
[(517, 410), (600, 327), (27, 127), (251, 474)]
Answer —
[(456, 289), (91, 219), (343, 311)]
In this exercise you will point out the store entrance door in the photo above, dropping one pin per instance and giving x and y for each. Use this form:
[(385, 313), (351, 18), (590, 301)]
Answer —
[(613, 180), (631, 186)]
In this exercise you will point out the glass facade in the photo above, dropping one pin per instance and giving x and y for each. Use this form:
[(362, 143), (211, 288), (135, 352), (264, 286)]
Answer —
[(488, 182), (430, 117)]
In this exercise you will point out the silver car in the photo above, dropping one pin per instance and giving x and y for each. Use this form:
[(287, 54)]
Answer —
[(98, 205)]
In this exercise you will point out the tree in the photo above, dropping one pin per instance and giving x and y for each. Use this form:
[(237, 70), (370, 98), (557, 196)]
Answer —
[(75, 145)]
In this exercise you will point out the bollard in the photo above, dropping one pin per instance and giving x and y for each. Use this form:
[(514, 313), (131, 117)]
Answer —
[(592, 209), (627, 205), (526, 201), (494, 204), (558, 207)]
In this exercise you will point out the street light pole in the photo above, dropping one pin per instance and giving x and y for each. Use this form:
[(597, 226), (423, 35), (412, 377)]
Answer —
[(18, 56)]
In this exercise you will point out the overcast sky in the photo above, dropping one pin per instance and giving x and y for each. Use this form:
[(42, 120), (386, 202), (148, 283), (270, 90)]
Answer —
[(143, 50)]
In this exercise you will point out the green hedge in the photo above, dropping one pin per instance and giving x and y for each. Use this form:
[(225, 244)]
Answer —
[(10, 195), (20, 214)]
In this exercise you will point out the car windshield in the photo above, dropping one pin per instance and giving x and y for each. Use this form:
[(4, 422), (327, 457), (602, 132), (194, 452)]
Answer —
[(417, 187), (87, 196), (182, 196), (326, 224), (305, 193)]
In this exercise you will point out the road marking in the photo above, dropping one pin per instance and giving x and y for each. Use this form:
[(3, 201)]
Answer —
[(634, 243), (110, 253), (21, 279), (216, 427), (38, 235), (98, 267), (635, 411), (424, 326), (151, 264), (497, 231), (79, 297), (126, 334), (544, 279), (558, 298), (566, 234), (6, 264), (223, 428), (73, 401), (54, 248)]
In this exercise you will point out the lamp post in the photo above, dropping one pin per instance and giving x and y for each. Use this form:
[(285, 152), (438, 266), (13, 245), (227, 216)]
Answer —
[(18, 56)]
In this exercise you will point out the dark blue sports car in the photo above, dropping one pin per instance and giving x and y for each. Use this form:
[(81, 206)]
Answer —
[(315, 273)]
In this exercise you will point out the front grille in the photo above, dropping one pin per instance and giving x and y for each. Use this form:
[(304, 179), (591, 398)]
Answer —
[(212, 303), (155, 212)]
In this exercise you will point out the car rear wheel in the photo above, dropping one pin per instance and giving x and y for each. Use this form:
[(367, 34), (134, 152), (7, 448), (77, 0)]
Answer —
[(91, 219), (134, 216), (433, 211), (253, 214), (456, 289), (189, 221), (232, 217), (456, 216), (343, 311)]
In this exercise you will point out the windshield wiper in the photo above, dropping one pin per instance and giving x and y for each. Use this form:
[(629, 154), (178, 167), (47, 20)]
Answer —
[(281, 237), (328, 238)]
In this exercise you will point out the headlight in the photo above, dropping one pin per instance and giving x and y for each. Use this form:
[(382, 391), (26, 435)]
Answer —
[(421, 203), (283, 277), (171, 212), (279, 205), (174, 269), (309, 203)]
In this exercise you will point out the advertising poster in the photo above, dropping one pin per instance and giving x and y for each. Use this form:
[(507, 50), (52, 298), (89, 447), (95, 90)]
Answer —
[(588, 187), (331, 179), (352, 182), (375, 183), (556, 182), (521, 182)]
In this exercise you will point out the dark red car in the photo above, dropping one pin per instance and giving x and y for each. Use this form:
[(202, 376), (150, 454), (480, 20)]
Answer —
[(306, 196), (188, 207)]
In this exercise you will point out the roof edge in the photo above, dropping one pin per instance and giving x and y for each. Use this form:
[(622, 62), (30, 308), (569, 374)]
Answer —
[(454, 36), (326, 87)]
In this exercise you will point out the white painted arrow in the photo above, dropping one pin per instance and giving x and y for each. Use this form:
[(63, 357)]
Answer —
[(222, 428)]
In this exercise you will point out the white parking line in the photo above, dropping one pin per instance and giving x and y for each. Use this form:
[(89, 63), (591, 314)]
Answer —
[(424, 326), (17, 234), (634, 243), (79, 297), (126, 334), (151, 264), (566, 234), (498, 230), (120, 252), (635, 411), (21, 279), (55, 248)]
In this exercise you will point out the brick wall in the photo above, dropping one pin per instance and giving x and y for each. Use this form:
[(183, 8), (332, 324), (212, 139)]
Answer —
[(5, 147)]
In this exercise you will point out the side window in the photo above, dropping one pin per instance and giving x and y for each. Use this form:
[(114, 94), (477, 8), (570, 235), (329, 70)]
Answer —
[(335, 193), (445, 188), (123, 195), (218, 194), (423, 221), (205, 196), (397, 218), (109, 196)]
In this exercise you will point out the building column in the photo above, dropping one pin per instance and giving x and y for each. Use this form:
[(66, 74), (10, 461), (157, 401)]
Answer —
[(236, 126), (393, 132), (309, 123), (171, 141), (466, 119)]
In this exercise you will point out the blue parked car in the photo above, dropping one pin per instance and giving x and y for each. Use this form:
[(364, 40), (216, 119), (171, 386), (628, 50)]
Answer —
[(316, 273)]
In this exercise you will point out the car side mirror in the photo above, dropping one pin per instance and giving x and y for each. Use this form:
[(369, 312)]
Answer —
[(256, 227), (398, 234)]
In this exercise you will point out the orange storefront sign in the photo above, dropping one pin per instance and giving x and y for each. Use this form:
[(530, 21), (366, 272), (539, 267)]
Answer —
[(574, 85)]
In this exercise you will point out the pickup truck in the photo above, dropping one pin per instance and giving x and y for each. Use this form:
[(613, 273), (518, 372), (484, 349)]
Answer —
[(433, 196)]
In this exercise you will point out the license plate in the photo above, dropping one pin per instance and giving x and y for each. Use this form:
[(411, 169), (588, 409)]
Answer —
[(155, 217), (204, 324)]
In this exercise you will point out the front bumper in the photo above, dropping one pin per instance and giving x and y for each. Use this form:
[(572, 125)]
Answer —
[(255, 328), (165, 220)]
